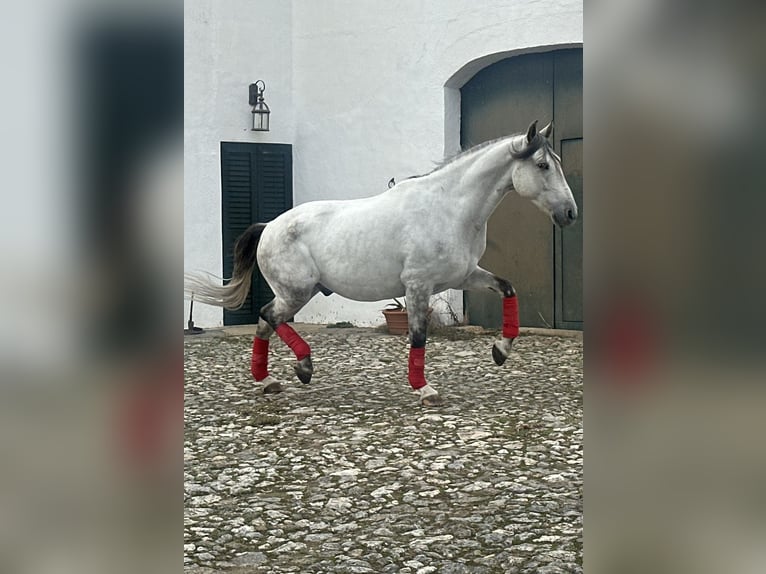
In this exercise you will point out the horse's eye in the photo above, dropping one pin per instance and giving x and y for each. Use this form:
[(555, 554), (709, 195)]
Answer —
[(542, 165)]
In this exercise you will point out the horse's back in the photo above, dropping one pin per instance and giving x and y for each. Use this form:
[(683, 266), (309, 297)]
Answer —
[(364, 248), (348, 246)]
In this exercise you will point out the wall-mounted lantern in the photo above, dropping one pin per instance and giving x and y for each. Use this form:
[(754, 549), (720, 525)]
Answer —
[(260, 110)]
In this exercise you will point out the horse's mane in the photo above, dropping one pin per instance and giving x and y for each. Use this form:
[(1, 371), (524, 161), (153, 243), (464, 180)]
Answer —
[(536, 144)]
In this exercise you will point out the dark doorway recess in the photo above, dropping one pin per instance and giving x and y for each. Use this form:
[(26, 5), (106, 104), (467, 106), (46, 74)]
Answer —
[(544, 263)]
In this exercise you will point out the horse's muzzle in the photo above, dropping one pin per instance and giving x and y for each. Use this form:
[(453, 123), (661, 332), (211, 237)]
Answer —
[(565, 216)]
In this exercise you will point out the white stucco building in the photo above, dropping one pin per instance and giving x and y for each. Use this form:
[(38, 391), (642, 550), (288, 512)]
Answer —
[(362, 90)]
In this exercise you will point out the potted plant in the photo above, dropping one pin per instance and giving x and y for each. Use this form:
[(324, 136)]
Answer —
[(396, 317)]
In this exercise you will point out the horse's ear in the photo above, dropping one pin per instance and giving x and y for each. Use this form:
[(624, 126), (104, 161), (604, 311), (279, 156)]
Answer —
[(532, 131), (546, 131)]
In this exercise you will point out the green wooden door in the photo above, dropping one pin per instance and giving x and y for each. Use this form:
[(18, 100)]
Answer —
[(256, 186), (544, 264), (568, 257)]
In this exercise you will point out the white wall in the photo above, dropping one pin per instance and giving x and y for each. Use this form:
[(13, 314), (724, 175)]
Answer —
[(364, 90), (228, 45)]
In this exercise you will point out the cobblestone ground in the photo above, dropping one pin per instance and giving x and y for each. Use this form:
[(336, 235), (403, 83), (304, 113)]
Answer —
[(350, 474)]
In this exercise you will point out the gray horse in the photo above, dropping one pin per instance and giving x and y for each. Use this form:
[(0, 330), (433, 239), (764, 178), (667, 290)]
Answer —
[(432, 239)]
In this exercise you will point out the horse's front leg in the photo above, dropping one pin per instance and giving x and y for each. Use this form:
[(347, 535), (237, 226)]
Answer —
[(482, 279), (417, 317)]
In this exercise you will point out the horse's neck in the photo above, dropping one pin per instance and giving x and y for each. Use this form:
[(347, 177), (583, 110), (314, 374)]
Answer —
[(479, 181)]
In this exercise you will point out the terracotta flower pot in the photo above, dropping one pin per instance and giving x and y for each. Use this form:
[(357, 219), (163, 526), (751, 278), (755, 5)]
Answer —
[(396, 320)]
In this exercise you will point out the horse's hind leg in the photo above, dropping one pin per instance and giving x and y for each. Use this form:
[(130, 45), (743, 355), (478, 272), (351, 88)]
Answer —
[(259, 361), (483, 279), (275, 314)]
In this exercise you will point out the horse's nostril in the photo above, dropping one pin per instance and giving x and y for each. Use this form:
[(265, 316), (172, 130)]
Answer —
[(570, 215)]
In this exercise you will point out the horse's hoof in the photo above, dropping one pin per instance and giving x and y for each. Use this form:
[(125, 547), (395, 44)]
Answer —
[(497, 355), (272, 388), (304, 369), (432, 401)]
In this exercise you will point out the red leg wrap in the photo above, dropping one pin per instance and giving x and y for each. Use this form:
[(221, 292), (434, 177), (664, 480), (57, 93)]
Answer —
[(294, 341), (510, 317), (259, 362), (417, 366)]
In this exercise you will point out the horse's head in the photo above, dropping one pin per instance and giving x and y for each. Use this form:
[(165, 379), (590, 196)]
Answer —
[(537, 175)]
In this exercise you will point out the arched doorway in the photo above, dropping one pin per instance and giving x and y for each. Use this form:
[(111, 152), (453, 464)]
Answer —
[(544, 263)]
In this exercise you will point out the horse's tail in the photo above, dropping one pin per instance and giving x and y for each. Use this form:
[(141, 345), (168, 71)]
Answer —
[(234, 293)]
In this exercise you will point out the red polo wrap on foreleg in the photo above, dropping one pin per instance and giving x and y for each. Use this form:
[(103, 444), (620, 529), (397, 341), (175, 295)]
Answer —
[(510, 317), (293, 340), (259, 362), (417, 364)]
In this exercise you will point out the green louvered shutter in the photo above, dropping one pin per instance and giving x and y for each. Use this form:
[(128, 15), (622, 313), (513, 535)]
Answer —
[(256, 186)]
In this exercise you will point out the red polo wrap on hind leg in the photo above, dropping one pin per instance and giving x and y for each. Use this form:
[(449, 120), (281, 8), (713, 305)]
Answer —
[(510, 317), (417, 366), (294, 341), (259, 362)]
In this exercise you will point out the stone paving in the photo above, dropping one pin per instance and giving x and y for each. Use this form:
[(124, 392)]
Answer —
[(351, 474)]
